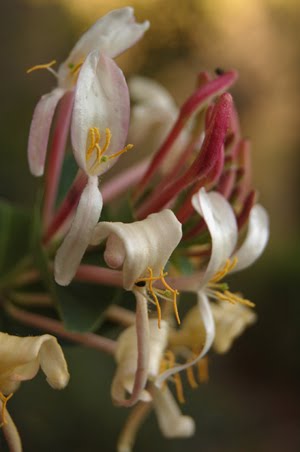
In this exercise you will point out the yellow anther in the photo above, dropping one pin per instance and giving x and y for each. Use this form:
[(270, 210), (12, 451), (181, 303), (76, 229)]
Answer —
[(202, 365), (233, 298), (169, 363), (150, 288), (75, 68), (229, 265), (179, 389), (41, 66), (174, 293), (191, 377), (167, 294), (4, 399), (94, 137)]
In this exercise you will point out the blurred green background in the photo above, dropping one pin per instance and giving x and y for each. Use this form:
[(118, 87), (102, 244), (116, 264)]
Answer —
[(252, 400)]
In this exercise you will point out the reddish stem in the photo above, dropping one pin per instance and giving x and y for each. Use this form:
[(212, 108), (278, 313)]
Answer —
[(245, 212), (56, 155), (67, 207)]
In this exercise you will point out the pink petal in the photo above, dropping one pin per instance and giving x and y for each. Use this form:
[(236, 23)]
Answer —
[(40, 129)]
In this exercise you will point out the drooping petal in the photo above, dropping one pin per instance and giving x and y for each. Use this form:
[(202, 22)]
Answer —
[(256, 239), (220, 220), (112, 34), (21, 358), (172, 423), (40, 129), (102, 102), (209, 326), (71, 251), (139, 245), (230, 320)]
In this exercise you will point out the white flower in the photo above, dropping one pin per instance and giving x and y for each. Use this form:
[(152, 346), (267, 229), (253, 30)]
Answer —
[(136, 247), (170, 420), (101, 107), (112, 35), (220, 220)]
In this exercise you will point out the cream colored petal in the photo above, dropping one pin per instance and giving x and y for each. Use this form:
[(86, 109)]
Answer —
[(231, 321), (147, 243), (220, 220), (71, 251), (21, 357), (256, 239), (112, 34), (40, 129), (172, 423)]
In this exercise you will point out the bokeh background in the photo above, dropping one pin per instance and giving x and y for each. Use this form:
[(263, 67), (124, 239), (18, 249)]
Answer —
[(252, 400)]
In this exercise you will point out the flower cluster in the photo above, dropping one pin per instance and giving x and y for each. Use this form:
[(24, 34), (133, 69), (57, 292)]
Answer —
[(191, 218)]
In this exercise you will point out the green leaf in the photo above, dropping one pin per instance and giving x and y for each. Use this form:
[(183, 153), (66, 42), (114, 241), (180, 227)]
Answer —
[(14, 236), (82, 305)]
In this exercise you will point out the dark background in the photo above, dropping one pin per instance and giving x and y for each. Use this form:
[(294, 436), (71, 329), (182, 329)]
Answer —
[(252, 400)]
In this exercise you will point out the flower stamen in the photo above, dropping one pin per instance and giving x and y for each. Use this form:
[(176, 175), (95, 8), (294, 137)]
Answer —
[(203, 375), (47, 66), (229, 265), (165, 294), (170, 363), (94, 137), (4, 399)]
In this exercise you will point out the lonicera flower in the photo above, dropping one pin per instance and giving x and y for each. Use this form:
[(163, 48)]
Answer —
[(221, 222), (20, 360), (141, 250), (112, 35), (170, 420), (101, 107)]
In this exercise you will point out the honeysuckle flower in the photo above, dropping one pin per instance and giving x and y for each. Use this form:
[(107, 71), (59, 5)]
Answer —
[(101, 107), (141, 250), (221, 222), (170, 420), (112, 35)]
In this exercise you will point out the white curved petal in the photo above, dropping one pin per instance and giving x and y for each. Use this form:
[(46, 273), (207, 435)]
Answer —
[(102, 101), (72, 249), (21, 358), (172, 423), (147, 243), (40, 129), (256, 239), (112, 34), (220, 220), (145, 91), (209, 326)]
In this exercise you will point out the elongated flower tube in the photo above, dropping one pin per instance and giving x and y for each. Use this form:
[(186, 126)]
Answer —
[(99, 129), (112, 34), (220, 220)]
